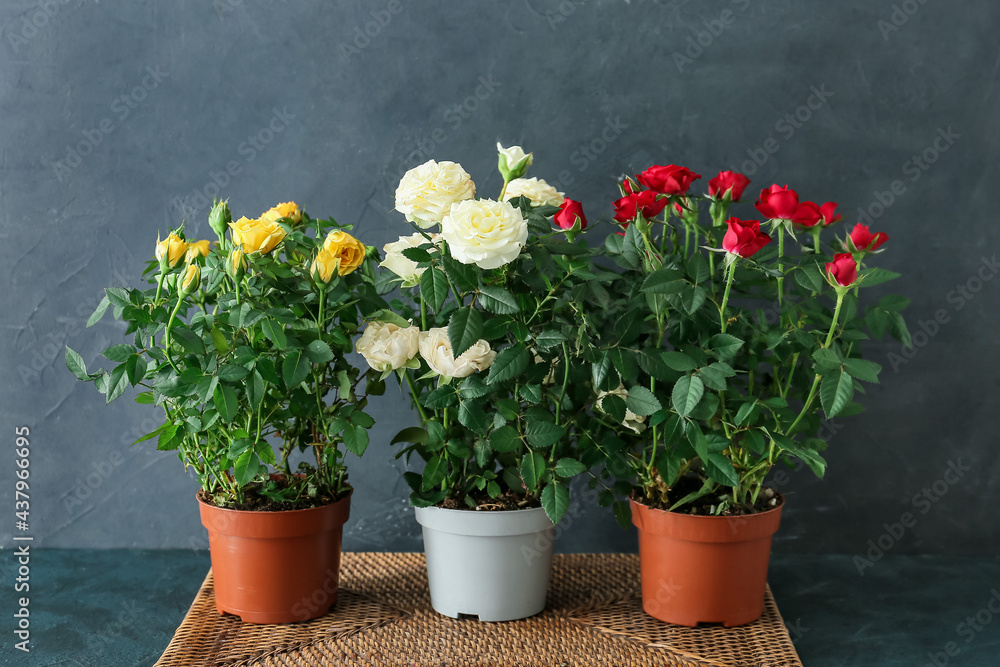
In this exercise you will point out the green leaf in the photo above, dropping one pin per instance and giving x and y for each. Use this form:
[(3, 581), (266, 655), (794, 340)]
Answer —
[(641, 401), (679, 361), (76, 364), (504, 439), (686, 393), (692, 298), (697, 268), (508, 364), (295, 368), (664, 281), (836, 390), (225, 402), (613, 405), (440, 397), (356, 439), (168, 440), (118, 297), (434, 471), (463, 276), (532, 469), (743, 414), (319, 352), (567, 467), (893, 303), (862, 369), (417, 255), (434, 288), (189, 340), (98, 313), (144, 398), (472, 416), (826, 360), (135, 368), (275, 332), (600, 369), (555, 501), (803, 451), (497, 300), (266, 453), (724, 346), (118, 382), (877, 276), (247, 467), (464, 329), (413, 434), (720, 469), (232, 372), (543, 434), (549, 339)]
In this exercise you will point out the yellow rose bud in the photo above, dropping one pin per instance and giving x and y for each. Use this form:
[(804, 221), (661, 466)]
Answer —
[(288, 210), (195, 249), (348, 250), (324, 265), (190, 280), (170, 250), (236, 265), (257, 235)]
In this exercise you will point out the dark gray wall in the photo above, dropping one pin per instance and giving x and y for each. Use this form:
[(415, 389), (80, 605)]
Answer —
[(595, 89)]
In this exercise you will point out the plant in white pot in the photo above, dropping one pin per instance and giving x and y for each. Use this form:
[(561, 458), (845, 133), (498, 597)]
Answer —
[(735, 342), (244, 342), (484, 341)]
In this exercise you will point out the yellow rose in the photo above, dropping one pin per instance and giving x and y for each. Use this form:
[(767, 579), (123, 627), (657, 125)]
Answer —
[(195, 249), (189, 281), (172, 248), (257, 235), (237, 264), (324, 265), (288, 210), (347, 250)]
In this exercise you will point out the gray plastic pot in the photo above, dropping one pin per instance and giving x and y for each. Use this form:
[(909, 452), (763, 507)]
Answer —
[(494, 565)]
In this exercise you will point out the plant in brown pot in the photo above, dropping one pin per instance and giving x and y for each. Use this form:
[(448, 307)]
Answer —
[(242, 343), (729, 344)]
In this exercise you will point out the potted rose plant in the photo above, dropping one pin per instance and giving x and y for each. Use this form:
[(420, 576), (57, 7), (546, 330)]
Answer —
[(242, 343), (484, 341), (730, 345)]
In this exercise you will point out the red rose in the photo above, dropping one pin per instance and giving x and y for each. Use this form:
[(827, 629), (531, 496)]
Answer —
[(728, 184), (863, 239), (843, 269), (568, 214), (778, 203), (744, 237), (808, 214), (668, 180), (629, 206), (827, 211)]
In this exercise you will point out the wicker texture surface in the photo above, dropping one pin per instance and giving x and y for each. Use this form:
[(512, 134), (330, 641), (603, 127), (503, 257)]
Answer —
[(383, 617)]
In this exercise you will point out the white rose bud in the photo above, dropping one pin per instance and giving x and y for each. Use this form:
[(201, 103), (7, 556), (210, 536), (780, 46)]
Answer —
[(435, 348), (401, 265), (486, 233), (386, 346), (632, 421), (536, 190), (426, 193), (513, 162)]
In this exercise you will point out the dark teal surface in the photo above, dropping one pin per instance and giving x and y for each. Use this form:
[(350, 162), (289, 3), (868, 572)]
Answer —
[(120, 607)]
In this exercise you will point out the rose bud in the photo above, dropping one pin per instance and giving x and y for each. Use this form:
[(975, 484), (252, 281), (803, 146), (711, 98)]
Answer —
[(669, 179), (827, 212), (513, 162), (324, 266), (170, 250), (236, 264), (646, 202), (778, 203), (728, 185), (744, 237), (219, 218), (569, 213), (189, 281), (862, 240), (843, 270)]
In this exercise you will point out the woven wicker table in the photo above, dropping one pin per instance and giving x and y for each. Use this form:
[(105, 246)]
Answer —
[(383, 617)]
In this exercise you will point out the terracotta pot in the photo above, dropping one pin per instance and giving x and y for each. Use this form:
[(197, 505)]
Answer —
[(704, 569), (275, 567)]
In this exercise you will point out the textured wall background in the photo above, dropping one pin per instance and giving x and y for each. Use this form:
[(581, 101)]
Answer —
[(120, 118)]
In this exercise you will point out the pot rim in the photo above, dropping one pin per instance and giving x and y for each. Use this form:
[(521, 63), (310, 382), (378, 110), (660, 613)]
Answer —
[(350, 493), (489, 523), (748, 517)]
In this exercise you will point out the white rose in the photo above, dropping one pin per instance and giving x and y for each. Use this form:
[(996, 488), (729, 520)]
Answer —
[(436, 350), (632, 421), (486, 233), (399, 264), (535, 189), (425, 193), (513, 161), (386, 346)]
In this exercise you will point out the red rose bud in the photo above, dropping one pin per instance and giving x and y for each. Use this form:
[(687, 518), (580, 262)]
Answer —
[(843, 270), (668, 180), (646, 202), (569, 212), (807, 214), (827, 211), (728, 185), (863, 239), (744, 237), (778, 203)]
